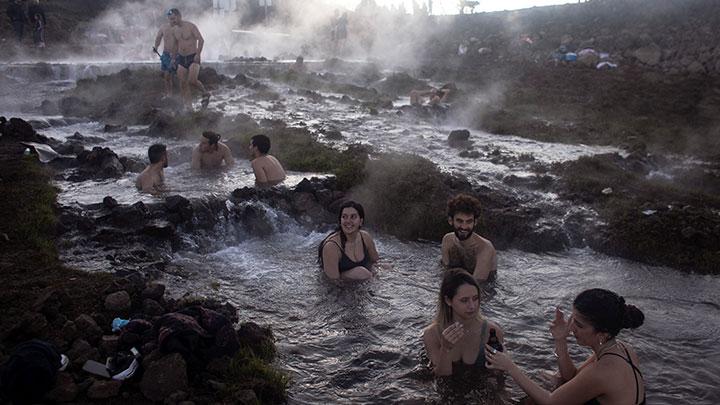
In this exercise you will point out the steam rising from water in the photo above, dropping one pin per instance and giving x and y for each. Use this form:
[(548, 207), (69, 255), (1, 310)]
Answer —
[(298, 28)]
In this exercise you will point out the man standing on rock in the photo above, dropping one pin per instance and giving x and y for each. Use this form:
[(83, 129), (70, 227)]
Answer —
[(268, 170), (189, 47), (152, 179), (464, 248), (167, 59), (211, 153)]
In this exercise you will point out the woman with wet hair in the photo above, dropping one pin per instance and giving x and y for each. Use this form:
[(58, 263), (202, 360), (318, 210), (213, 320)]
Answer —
[(348, 252), (459, 333), (610, 375)]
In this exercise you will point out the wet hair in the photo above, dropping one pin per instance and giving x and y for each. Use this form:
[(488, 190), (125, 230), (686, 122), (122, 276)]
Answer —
[(452, 281), (212, 137), (156, 152), (464, 203), (343, 238), (299, 59), (607, 311), (262, 142), (173, 11)]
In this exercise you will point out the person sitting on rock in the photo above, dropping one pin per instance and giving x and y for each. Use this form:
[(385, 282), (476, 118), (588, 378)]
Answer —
[(348, 252), (211, 153), (151, 180), (268, 170), (434, 96), (463, 248)]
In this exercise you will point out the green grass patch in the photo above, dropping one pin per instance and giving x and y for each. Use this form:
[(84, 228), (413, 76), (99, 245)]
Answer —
[(30, 218), (249, 371)]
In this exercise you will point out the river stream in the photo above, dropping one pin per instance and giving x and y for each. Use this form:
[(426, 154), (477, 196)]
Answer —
[(362, 343)]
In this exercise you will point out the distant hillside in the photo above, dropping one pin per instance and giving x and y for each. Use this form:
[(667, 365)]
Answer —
[(673, 36)]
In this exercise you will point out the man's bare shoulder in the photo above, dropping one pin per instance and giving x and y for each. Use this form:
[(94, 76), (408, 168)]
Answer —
[(480, 243), (448, 238)]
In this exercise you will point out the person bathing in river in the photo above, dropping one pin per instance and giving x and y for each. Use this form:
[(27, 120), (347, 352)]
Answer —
[(189, 48), (348, 252), (151, 180), (609, 376), (211, 153), (167, 58), (463, 248), (459, 333), (268, 170), (434, 96)]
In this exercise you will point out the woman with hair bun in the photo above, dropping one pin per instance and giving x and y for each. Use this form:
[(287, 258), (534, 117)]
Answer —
[(609, 376)]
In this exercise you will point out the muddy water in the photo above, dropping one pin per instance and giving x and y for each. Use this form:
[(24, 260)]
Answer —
[(362, 343)]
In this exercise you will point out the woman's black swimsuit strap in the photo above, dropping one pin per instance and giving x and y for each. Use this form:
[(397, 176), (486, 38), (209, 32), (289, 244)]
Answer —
[(480, 359), (347, 264), (636, 371)]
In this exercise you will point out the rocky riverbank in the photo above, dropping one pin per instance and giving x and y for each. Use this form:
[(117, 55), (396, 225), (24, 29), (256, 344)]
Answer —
[(73, 310)]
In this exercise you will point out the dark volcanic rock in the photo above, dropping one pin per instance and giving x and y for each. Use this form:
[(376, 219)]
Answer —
[(114, 128), (118, 302), (164, 377), (102, 389), (65, 389), (458, 137), (100, 163)]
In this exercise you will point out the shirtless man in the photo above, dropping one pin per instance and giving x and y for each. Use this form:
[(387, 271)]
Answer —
[(189, 47), (211, 153), (464, 248), (167, 59), (434, 96), (152, 178), (268, 171)]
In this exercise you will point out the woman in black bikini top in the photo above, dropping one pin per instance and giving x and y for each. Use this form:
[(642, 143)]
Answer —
[(348, 252), (610, 375), (456, 339)]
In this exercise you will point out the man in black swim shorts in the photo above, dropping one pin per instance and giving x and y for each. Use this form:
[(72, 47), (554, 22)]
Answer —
[(189, 47)]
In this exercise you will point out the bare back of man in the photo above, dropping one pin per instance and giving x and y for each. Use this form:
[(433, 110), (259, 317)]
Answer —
[(268, 171), (189, 48), (151, 180), (212, 158), (475, 254)]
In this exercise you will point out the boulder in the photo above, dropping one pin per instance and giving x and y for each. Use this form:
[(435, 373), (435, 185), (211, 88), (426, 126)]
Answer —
[(649, 55), (152, 307), (87, 327), (118, 302), (458, 137), (114, 128), (65, 389), (164, 377), (104, 389), (154, 291)]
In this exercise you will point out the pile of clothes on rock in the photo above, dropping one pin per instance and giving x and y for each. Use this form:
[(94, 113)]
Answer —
[(199, 334)]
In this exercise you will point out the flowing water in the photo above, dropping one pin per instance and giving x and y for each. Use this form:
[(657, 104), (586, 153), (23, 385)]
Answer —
[(362, 343)]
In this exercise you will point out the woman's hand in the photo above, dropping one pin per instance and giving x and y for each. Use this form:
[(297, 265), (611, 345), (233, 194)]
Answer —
[(559, 328), (451, 335), (497, 360)]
